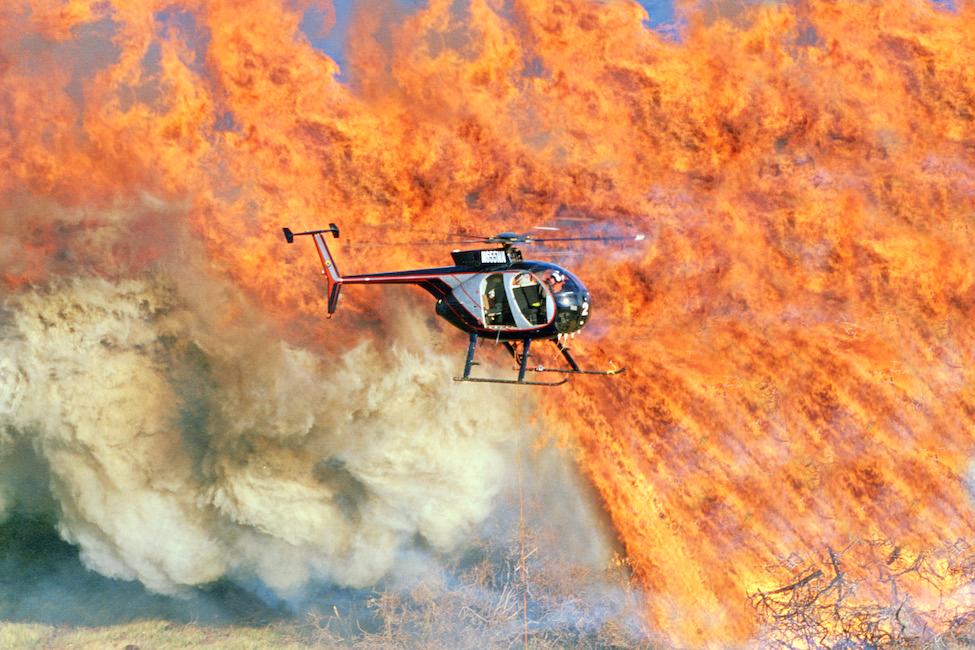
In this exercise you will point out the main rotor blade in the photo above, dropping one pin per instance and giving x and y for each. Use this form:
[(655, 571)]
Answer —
[(554, 253), (376, 244), (447, 235), (461, 235), (574, 219), (639, 237)]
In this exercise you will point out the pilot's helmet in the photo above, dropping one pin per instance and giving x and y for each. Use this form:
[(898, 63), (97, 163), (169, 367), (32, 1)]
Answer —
[(556, 281)]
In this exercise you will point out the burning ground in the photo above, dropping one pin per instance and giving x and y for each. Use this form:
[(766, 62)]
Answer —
[(799, 404)]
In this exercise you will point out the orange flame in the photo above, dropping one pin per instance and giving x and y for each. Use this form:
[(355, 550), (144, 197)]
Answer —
[(798, 329)]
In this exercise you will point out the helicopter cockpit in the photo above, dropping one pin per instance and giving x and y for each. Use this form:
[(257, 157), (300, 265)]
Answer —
[(522, 298), (571, 298), (515, 299)]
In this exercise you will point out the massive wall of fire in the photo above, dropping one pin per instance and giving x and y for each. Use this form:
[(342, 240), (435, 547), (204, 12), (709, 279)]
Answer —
[(798, 328)]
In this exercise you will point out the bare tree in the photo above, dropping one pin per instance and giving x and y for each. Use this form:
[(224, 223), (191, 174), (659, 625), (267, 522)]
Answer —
[(872, 594)]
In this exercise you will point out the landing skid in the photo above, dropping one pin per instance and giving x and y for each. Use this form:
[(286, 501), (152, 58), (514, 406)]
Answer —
[(617, 371), (573, 368), (523, 382), (522, 367)]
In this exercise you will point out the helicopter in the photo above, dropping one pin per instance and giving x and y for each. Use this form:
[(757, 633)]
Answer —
[(491, 294)]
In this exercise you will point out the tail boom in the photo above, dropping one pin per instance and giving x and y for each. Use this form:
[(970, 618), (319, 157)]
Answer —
[(430, 279)]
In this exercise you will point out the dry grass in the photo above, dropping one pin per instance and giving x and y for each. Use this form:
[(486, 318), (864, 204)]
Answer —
[(157, 635), (480, 601), (503, 600)]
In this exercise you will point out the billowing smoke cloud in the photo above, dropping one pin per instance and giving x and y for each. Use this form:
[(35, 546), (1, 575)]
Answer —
[(180, 449)]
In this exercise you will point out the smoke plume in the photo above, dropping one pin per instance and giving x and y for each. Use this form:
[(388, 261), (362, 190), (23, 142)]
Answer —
[(178, 452)]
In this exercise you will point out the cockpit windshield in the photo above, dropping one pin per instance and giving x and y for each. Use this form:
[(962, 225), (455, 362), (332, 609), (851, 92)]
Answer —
[(558, 281), (571, 298), (532, 297)]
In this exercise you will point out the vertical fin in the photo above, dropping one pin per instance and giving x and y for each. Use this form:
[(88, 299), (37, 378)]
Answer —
[(333, 279)]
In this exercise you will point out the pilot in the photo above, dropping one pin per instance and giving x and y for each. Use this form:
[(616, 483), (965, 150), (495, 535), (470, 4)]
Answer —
[(523, 280), (556, 282), (492, 311)]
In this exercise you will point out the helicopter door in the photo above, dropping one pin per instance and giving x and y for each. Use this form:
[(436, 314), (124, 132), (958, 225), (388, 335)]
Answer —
[(497, 310), (530, 299)]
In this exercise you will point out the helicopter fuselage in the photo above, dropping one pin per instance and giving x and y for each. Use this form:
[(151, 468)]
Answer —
[(505, 301)]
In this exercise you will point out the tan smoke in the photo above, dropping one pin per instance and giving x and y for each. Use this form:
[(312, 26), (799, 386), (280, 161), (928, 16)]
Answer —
[(184, 445)]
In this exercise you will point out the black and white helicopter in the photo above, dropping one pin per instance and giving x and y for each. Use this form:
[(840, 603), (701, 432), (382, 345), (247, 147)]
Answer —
[(492, 294)]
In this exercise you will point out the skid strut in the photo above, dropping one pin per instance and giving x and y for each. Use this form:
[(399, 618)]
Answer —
[(470, 356), (522, 366)]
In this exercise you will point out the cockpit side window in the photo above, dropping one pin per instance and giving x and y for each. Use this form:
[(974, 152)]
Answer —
[(497, 311), (531, 298)]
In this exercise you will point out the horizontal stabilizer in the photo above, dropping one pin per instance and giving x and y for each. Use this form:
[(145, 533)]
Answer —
[(290, 236)]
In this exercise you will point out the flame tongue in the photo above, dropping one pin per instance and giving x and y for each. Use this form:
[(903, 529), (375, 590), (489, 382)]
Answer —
[(798, 331)]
